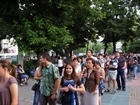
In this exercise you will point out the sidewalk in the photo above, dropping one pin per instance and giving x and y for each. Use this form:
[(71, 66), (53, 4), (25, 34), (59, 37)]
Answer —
[(129, 97), (134, 91)]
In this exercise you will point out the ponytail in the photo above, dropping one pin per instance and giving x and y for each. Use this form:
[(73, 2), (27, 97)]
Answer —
[(13, 70), (11, 67)]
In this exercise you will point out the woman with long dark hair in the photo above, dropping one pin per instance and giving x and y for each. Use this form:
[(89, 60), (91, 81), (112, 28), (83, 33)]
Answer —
[(68, 86)]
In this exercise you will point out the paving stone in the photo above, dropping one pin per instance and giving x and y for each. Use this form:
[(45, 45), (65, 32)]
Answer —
[(129, 97)]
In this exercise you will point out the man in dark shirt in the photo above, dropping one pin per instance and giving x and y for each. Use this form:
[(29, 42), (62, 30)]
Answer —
[(121, 72)]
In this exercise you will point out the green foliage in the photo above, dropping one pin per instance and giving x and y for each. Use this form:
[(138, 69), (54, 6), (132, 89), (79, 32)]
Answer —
[(96, 47), (134, 46), (110, 49), (66, 25), (30, 64), (118, 22), (80, 50), (9, 13), (59, 25)]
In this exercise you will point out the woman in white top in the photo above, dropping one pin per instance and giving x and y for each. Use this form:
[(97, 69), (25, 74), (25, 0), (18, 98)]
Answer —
[(77, 68), (60, 65)]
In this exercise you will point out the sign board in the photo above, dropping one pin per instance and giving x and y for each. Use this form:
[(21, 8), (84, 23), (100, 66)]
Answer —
[(8, 48)]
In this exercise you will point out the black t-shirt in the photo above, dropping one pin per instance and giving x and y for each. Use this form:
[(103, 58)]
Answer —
[(121, 61)]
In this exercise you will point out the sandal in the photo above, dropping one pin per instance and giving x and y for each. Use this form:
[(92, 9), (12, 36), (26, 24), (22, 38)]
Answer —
[(107, 90), (113, 92), (135, 78)]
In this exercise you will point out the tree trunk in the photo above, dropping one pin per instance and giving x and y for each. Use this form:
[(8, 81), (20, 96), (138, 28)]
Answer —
[(124, 46), (114, 42), (105, 49), (71, 53), (87, 46), (106, 46)]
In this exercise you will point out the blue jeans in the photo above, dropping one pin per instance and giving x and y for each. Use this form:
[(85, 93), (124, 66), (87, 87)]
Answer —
[(122, 83), (36, 97), (138, 67), (135, 70)]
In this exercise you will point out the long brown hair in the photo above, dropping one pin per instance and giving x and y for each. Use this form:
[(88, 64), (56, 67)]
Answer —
[(11, 68), (73, 75)]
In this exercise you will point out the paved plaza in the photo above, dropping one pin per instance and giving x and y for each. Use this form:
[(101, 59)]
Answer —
[(129, 97)]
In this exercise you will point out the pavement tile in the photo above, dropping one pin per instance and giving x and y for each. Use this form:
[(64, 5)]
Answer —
[(129, 97)]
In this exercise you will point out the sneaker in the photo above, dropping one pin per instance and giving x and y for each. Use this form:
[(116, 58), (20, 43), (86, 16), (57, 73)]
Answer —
[(123, 89), (107, 90), (113, 92), (26, 83), (21, 84), (119, 89), (135, 78)]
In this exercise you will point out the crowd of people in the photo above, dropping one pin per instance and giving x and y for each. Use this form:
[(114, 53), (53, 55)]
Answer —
[(75, 81), (81, 80)]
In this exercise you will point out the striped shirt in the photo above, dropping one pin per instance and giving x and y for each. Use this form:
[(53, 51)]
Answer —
[(113, 62)]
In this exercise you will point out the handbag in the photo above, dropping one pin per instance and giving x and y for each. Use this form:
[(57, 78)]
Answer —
[(59, 99), (102, 84), (36, 86)]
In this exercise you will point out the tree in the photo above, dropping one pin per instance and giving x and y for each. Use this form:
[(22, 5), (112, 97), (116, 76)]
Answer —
[(43, 25), (82, 29), (9, 14), (134, 46), (39, 26), (117, 23)]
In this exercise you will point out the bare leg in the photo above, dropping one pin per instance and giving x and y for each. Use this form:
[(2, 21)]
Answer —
[(100, 100), (108, 83)]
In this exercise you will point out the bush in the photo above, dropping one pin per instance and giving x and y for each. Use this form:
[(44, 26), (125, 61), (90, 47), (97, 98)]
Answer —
[(29, 65)]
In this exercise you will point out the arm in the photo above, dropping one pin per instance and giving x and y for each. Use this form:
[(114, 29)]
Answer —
[(14, 93), (103, 74), (96, 82), (36, 77), (102, 60), (81, 88), (115, 65), (56, 82), (83, 72), (56, 79), (38, 72), (112, 66), (79, 73), (63, 89), (56, 85), (22, 71), (125, 65)]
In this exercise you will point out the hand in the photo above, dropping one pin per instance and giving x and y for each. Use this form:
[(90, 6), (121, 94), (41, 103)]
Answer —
[(71, 87), (66, 89), (53, 96), (84, 75), (95, 92)]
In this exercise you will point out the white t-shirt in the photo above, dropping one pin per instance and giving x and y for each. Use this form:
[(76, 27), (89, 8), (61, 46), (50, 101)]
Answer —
[(60, 63), (95, 58), (78, 69)]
